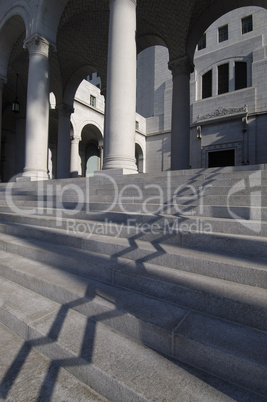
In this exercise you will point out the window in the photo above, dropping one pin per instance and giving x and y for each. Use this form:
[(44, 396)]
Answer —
[(247, 25), (202, 42), (223, 33), (137, 125), (207, 85), (223, 78), (240, 75), (92, 101)]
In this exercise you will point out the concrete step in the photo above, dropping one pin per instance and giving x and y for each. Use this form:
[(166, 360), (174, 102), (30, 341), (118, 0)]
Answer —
[(148, 227), (120, 368), (122, 239), (206, 176), (80, 210), (28, 375), (245, 200), (241, 303)]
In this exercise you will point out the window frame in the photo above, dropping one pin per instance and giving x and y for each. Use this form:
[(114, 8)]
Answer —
[(203, 40), (223, 33), (247, 24), (92, 100), (222, 81), (206, 91)]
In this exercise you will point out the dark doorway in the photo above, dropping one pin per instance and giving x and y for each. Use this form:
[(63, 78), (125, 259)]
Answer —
[(222, 158)]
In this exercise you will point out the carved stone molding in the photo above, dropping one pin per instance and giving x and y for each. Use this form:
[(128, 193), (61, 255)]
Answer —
[(223, 112), (75, 140), (36, 44), (133, 1), (65, 110), (181, 66)]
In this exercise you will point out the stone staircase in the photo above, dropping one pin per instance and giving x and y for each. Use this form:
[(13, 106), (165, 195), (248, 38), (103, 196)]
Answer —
[(143, 287)]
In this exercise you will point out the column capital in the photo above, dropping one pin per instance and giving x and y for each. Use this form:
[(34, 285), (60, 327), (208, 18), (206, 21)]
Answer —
[(183, 65), (133, 1), (36, 44), (75, 139), (65, 110)]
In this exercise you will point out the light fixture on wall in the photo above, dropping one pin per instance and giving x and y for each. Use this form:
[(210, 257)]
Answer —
[(199, 136), (15, 104)]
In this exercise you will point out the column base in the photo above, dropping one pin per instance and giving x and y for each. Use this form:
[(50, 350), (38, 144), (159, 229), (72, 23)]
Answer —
[(126, 165), (33, 175), (118, 172)]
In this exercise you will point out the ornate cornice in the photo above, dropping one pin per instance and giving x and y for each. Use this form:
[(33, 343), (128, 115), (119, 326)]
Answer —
[(36, 44), (182, 65)]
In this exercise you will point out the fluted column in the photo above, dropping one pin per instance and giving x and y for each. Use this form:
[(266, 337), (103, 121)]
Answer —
[(2, 82), (119, 140), (63, 142), (37, 113), (180, 134), (74, 157)]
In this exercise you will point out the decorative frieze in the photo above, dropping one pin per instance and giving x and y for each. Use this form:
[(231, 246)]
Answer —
[(223, 112)]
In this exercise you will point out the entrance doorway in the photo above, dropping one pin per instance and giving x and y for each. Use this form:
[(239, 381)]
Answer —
[(222, 158)]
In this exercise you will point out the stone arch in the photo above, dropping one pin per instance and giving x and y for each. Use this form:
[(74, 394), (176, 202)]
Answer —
[(43, 23), (74, 82), (139, 156), (90, 149), (216, 10), (145, 41), (11, 30)]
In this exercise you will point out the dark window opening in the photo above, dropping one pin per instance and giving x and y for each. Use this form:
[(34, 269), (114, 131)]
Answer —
[(222, 158), (202, 42), (240, 75), (247, 24), (223, 33), (223, 78), (207, 85)]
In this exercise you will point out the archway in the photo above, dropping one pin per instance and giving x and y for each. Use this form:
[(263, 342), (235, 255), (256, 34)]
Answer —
[(139, 156), (90, 150)]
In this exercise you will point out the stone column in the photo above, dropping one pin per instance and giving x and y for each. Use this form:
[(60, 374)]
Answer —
[(180, 135), (119, 140), (20, 144), (74, 157), (2, 82), (63, 142), (37, 114)]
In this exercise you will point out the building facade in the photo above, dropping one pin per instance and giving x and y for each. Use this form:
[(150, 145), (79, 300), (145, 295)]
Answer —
[(227, 95)]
